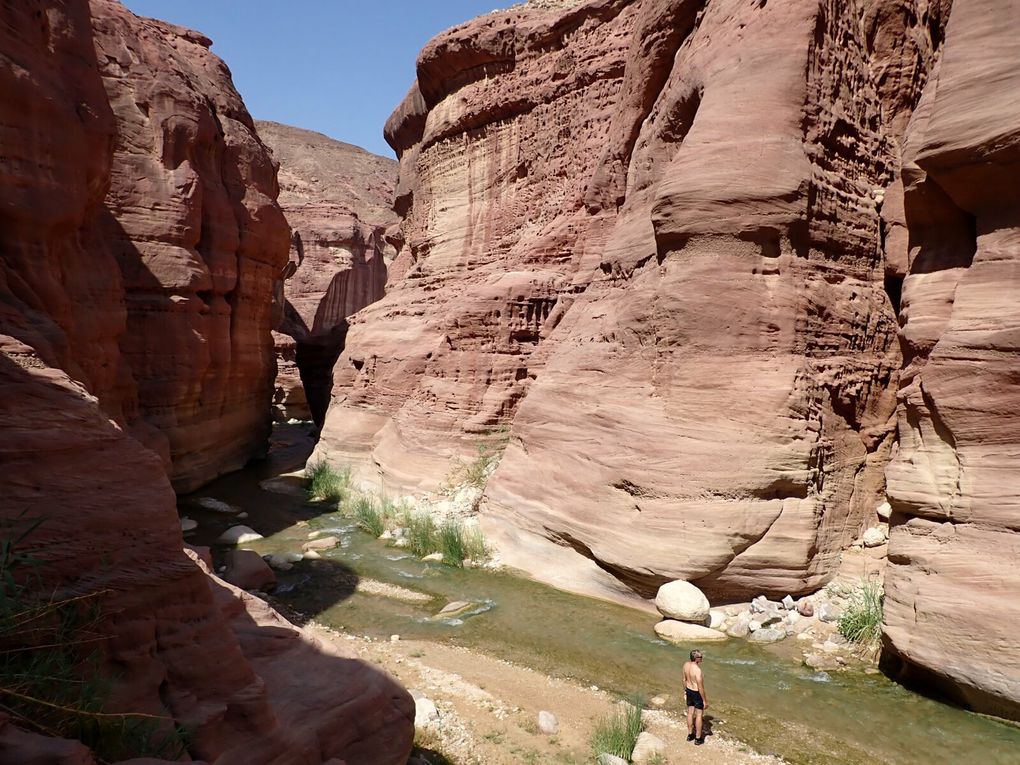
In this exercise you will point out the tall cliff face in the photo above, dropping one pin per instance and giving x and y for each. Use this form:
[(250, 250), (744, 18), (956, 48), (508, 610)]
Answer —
[(648, 238), (669, 246), (337, 200), (140, 240), (955, 541)]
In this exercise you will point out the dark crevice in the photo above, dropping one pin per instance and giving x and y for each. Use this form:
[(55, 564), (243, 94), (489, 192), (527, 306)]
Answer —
[(315, 360)]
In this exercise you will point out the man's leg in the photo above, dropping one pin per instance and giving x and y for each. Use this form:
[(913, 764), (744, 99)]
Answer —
[(690, 721), (698, 713)]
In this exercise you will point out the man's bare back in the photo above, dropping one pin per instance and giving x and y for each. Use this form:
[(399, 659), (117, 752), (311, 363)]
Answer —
[(692, 676)]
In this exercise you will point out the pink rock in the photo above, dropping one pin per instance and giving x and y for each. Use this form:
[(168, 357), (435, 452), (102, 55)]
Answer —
[(247, 570), (952, 562), (650, 249), (337, 200), (805, 607), (141, 242)]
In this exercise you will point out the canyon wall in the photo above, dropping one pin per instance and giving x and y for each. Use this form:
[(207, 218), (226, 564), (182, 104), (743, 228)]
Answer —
[(953, 587), (337, 199), (665, 250), (140, 243), (648, 239)]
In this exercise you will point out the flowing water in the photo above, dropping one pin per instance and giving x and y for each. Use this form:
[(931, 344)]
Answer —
[(771, 702)]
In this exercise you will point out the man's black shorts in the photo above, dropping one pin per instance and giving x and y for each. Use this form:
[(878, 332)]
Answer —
[(694, 699)]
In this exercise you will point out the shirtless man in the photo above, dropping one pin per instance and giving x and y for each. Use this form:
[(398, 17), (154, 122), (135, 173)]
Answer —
[(697, 700)]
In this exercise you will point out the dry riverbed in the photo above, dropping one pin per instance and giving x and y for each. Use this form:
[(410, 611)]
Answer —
[(488, 708)]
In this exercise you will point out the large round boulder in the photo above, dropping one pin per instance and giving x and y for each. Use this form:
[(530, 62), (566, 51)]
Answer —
[(682, 600)]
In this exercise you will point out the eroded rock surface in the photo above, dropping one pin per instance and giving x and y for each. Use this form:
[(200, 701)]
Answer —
[(646, 236), (140, 242), (953, 585), (338, 200), (666, 244)]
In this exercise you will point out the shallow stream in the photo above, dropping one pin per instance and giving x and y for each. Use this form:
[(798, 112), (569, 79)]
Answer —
[(771, 702)]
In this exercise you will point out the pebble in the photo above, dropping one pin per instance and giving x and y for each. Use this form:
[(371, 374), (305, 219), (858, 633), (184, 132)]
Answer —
[(547, 723)]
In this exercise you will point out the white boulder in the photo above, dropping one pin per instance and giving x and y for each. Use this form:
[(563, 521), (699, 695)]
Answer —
[(684, 632), (682, 600), (238, 535), (547, 723), (647, 748)]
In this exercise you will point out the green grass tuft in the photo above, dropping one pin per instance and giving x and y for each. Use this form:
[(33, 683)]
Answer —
[(618, 733), (457, 543), (861, 621), (369, 516), (328, 484)]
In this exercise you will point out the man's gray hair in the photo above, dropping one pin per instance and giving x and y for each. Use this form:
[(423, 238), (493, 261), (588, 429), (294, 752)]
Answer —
[(696, 654)]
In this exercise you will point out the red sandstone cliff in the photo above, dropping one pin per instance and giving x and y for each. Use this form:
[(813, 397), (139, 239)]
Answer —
[(953, 585), (663, 242), (140, 242), (337, 199)]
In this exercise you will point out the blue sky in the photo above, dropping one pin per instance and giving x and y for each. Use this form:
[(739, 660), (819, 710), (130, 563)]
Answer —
[(336, 66)]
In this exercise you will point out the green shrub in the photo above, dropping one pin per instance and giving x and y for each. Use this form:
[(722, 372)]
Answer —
[(457, 543), (861, 621), (50, 679), (422, 534), (328, 484), (618, 733), (369, 516)]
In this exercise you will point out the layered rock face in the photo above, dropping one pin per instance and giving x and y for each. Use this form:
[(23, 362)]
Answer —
[(647, 237), (140, 242), (953, 587), (337, 199), (666, 245)]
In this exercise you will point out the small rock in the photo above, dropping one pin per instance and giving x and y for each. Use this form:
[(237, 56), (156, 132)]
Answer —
[(740, 628), (247, 570), (312, 555), (547, 723), (788, 603), (883, 511), (733, 610), (754, 625), (435, 557), (425, 712), (829, 647), (279, 563), (386, 536), (647, 748), (805, 607), (768, 635), (829, 613), (322, 543), (793, 617), (401, 542), (394, 638), (716, 618), (188, 524), (454, 609), (821, 662), (658, 701), (683, 601), (610, 759), (875, 536), (293, 557), (238, 535), (242, 516), (315, 534), (759, 604), (216, 506), (805, 636)]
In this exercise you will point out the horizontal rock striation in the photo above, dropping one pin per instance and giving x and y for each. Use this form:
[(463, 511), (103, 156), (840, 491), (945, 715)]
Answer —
[(337, 199), (648, 238), (953, 587), (140, 243), (706, 262)]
